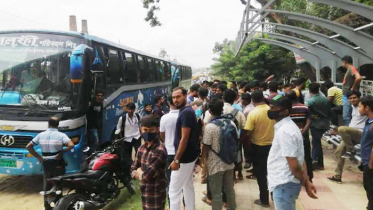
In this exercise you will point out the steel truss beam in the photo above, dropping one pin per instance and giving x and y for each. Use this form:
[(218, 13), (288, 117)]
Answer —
[(314, 60), (348, 5), (363, 40), (326, 56), (339, 47)]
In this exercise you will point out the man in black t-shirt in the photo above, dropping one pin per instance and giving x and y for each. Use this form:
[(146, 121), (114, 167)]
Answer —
[(187, 151), (94, 120)]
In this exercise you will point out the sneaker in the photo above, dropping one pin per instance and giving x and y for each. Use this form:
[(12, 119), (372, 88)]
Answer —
[(335, 178), (258, 202), (247, 166)]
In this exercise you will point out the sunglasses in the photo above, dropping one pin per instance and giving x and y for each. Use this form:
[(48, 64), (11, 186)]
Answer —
[(100, 95)]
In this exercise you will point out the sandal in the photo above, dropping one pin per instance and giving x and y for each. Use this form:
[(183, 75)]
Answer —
[(251, 176), (335, 179), (207, 201)]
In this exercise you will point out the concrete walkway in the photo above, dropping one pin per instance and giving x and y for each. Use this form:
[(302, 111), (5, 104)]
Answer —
[(349, 195)]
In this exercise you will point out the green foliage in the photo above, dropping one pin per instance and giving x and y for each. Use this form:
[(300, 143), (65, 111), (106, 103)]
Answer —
[(255, 61), (152, 6)]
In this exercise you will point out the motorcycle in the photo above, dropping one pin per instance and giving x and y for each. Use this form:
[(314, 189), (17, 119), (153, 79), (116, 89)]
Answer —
[(104, 174)]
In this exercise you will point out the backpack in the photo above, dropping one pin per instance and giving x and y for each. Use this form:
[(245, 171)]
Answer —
[(232, 116), (228, 140), (124, 117)]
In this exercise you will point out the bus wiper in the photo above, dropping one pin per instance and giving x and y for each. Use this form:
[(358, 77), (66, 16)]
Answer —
[(28, 102)]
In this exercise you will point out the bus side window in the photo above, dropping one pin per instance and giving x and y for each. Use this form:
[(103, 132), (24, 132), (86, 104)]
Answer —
[(141, 69), (167, 71), (131, 72), (150, 74), (114, 73), (160, 71)]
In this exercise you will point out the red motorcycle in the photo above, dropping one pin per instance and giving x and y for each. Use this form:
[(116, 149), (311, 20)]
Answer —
[(105, 173)]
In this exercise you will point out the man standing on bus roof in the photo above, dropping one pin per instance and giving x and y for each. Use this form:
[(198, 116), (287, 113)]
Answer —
[(94, 120), (51, 143), (351, 82)]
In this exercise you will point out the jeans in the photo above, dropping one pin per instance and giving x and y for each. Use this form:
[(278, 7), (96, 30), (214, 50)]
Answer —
[(307, 155), (170, 158), (317, 153), (347, 110), (260, 156), (336, 111), (51, 168), (93, 140), (128, 146), (284, 196), (368, 185), (217, 182)]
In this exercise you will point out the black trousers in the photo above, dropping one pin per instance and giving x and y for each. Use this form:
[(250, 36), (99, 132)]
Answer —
[(247, 154), (128, 146), (307, 155), (260, 156), (368, 185), (51, 168)]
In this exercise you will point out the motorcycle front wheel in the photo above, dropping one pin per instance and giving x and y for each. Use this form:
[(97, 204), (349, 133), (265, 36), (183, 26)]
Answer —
[(68, 202)]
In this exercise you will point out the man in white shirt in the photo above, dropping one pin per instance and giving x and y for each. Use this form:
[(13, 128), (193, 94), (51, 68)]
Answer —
[(128, 128), (351, 135), (167, 130), (287, 171)]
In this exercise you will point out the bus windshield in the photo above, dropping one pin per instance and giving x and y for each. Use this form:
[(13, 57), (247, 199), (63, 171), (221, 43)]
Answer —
[(35, 70)]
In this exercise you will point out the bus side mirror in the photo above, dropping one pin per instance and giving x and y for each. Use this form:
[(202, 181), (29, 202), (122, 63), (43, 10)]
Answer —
[(77, 62)]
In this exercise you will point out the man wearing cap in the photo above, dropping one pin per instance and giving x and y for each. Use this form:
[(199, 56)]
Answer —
[(287, 171)]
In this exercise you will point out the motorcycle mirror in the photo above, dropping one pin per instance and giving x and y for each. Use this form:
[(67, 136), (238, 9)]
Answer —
[(86, 149)]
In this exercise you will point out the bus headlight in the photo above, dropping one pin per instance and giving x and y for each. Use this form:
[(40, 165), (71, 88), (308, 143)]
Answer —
[(75, 139)]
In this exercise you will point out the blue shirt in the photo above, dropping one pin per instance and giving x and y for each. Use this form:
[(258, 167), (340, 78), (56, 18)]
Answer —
[(237, 106), (190, 99), (51, 141), (366, 142), (187, 119)]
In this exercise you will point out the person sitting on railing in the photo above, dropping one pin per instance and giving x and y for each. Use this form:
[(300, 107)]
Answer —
[(351, 136)]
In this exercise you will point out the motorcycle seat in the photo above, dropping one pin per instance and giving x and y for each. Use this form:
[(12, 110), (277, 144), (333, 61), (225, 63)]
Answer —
[(90, 174)]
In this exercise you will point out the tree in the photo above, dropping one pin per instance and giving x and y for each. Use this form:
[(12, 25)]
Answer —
[(256, 60), (163, 54), (152, 6)]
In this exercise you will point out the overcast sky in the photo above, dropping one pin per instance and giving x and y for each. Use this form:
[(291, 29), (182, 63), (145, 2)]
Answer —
[(188, 32)]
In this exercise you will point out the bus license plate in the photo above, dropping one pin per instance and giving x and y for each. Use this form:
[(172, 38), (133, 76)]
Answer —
[(8, 163)]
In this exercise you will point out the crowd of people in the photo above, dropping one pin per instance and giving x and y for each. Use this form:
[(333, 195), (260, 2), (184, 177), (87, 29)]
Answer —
[(260, 126)]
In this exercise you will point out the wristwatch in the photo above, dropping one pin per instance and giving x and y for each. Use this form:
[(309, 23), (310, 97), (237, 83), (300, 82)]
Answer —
[(176, 161)]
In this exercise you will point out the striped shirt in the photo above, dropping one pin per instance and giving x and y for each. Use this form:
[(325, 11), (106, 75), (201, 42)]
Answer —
[(51, 141), (299, 114)]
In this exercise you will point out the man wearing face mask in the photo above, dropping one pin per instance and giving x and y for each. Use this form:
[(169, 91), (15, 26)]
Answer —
[(287, 170), (150, 166)]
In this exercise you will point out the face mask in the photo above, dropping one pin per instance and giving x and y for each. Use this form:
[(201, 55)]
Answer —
[(273, 115), (149, 136)]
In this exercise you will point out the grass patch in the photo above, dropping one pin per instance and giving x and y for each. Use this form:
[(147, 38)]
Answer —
[(125, 201)]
